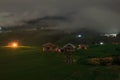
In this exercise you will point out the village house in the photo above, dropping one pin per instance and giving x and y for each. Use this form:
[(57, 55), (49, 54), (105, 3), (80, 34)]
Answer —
[(49, 47), (68, 49)]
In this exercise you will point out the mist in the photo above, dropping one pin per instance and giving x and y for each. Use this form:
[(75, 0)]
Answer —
[(99, 15)]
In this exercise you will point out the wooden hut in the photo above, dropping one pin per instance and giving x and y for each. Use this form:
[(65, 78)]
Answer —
[(68, 49), (49, 47)]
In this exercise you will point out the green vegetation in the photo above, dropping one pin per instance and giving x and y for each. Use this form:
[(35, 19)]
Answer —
[(28, 63)]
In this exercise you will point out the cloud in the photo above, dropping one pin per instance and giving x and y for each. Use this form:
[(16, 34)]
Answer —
[(101, 15)]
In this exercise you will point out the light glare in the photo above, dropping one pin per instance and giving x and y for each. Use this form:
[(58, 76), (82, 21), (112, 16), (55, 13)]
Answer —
[(13, 45)]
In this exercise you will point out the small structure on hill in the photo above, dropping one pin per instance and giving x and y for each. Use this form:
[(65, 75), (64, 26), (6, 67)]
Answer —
[(83, 46), (68, 49), (49, 47)]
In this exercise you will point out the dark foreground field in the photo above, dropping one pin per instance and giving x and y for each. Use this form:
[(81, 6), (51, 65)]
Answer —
[(28, 63)]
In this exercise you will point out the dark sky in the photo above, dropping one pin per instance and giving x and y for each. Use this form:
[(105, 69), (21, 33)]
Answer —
[(103, 15)]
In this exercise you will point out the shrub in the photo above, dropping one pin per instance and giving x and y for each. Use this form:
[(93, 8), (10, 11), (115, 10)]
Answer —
[(106, 61), (94, 61), (101, 61)]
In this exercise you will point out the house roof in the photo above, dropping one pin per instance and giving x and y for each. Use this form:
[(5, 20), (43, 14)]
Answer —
[(69, 44), (48, 44)]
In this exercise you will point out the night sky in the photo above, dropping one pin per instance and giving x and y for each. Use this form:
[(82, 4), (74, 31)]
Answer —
[(101, 15)]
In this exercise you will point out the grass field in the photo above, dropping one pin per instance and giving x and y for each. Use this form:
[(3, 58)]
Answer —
[(28, 63)]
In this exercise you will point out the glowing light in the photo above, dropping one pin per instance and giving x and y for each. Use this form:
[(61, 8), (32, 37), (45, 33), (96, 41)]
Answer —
[(79, 36), (101, 43), (111, 35), (13, 45)]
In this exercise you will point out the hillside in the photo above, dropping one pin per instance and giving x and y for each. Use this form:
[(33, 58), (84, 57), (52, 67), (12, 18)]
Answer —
[(28, 63), (39, 37)]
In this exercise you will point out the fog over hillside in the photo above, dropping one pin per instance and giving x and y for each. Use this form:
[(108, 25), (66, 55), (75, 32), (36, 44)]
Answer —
[(99, 15)]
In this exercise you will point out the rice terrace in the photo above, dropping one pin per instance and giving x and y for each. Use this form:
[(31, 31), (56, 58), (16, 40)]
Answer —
[(45, 61)]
